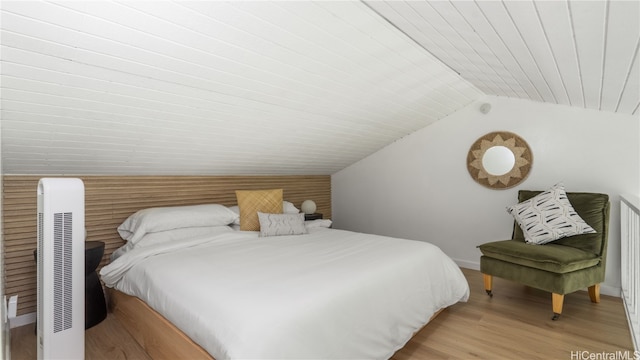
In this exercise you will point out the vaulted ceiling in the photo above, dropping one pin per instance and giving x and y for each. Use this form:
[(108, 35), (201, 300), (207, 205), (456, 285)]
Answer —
[(181, 87), (577, 53)]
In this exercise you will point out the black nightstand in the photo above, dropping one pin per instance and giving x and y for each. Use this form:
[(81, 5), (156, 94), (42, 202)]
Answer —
[(314, 216), (95, 306)]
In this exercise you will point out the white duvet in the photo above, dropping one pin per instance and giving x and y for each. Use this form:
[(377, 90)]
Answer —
[(329, 294)]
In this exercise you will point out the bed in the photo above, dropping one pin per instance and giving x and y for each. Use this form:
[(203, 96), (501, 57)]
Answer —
[(326, 293)]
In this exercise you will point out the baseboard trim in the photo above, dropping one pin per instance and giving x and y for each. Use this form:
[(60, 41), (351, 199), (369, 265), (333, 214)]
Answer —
[(22, 320), (467, 264), (610, 290)]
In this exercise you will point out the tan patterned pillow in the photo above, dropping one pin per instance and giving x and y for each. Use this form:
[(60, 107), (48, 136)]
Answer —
[(252, 201)]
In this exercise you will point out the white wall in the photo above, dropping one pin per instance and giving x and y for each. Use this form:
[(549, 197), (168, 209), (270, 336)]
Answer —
[(419, 187)]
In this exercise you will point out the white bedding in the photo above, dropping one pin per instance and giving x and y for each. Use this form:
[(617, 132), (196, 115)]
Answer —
[(328, 294)]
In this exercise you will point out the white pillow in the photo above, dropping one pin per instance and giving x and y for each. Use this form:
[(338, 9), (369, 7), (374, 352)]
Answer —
[(170, 236), (180, 234), (548, 216), (235, 209), (174, 217), (281, 224), (287, 208), (318, 223), (121, 250)]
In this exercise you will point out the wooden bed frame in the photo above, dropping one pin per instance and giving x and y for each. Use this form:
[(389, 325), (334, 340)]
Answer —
[(156, 335)]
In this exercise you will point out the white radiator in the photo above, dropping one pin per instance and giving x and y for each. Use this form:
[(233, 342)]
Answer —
[(630, 262), (60, 255)]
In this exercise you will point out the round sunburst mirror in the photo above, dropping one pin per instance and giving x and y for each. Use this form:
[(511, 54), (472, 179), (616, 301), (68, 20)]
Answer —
[(499, 160)]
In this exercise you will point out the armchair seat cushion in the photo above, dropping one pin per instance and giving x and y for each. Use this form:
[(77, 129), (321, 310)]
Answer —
[(549, 257)]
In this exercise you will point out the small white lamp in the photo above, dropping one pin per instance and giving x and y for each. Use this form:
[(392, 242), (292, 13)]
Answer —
[(308, 207)]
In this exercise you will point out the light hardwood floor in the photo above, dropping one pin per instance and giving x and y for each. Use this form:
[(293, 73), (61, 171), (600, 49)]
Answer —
[(515, 323)]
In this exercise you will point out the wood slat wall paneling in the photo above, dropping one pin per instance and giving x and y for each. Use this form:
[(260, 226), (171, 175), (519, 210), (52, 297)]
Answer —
[(109, 200)]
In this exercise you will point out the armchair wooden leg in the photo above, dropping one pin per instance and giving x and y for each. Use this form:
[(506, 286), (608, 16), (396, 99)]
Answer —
[(488, 284), (594, 293), (557, 300)]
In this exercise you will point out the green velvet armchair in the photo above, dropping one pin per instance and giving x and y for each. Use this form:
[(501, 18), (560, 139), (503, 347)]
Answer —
[(560, 267)]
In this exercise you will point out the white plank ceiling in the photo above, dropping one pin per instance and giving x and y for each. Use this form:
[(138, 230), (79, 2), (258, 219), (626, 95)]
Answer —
[(161, 87), (577, 53)]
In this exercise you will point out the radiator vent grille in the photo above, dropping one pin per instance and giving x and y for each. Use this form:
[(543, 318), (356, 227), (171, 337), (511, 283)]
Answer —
[(62, 271)]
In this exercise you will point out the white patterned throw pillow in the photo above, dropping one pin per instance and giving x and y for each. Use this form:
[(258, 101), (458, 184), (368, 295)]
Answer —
[(548, 216), (281, 224)]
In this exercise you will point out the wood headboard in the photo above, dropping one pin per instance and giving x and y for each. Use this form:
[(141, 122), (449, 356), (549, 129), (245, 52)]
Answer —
[(109, 200)]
